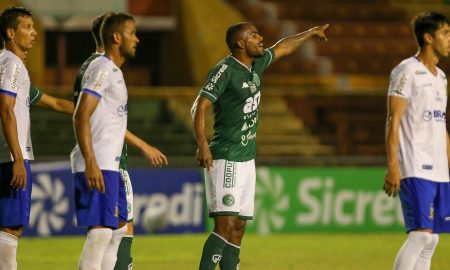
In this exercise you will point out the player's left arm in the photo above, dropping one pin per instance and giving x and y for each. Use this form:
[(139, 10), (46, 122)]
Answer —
[(37, 97), (288, 45), (56, 104), (151, 153)]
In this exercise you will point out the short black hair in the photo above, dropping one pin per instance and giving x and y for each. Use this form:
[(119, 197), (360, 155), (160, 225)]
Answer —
[(110, 25), (427, 22), (95, 29), (233, 33), (8, 19)]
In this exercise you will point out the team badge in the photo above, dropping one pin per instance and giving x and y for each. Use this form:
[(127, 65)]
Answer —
[(228, 200), (256, 79)]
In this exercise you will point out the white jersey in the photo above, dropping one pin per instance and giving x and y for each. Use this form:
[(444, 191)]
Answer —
[(422, 149), (14, 81), (104, 80)]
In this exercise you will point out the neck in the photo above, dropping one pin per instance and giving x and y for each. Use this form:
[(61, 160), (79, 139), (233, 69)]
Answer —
[(10, 46), (100, 49), (244, 59), (115, 56), (428, 57)]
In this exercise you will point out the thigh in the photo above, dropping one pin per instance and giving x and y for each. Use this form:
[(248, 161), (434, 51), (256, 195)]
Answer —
[(94, 208), (125, 197), (247, 188), (14, 203), (417, 198), (442, 209), (222, 193)]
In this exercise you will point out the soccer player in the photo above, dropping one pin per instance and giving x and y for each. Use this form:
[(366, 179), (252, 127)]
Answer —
[(233, 89), (156, 158), (417, 142), (100, 121), (17, 30)]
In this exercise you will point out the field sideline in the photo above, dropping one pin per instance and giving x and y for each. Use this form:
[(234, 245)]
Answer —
[(273, 252)]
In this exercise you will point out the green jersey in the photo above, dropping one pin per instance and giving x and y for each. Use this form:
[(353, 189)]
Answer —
[(234, 90), (35, 95), (77, 91)]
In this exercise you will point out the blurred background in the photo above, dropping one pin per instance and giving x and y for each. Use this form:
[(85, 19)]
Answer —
[(324, 105), (320, 146)]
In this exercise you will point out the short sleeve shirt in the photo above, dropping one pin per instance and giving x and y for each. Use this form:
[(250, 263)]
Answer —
[(15, 82), (104, 80), (235, 91), (422, 149)]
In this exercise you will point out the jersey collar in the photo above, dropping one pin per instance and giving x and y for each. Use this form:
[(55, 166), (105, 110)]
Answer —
[(242, 64)]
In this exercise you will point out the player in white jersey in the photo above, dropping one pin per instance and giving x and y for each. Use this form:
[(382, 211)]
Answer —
[(16, 29), (417, 142), (100, 123)]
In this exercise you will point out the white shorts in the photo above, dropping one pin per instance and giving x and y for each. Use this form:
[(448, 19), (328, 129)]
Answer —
[(230, 188), (125, 177)]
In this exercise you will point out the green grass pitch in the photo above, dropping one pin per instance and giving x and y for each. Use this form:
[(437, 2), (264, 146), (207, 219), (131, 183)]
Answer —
[(273, 252)]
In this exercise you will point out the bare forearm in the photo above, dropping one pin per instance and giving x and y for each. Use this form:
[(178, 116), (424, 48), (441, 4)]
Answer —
[(9, 128), (199, 127), (292, 43), (133, 140), (83, 135), (64, 106), (392, 140)]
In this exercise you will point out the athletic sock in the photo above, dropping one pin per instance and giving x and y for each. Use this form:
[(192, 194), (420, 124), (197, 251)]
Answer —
[(8, 251), (94, 248), (212, 252), (124, 259), (230, 257), (411, 250), (424, 260), (110, 256)]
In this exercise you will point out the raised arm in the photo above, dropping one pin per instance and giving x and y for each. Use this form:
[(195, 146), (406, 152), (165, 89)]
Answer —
[(81, 121), (56, 104), (288, 45), (396, 109), (151, 153), (9, 128), (204, 157)]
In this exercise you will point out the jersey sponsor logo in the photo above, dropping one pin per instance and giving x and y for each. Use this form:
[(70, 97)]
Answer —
[(401, 83), (252, 103), (420, 72), (2, 73), (438, 115), (215, 78), (216, 258), (101, 78), (228, 200), (15, 78), (28, 148), (251, 124), (427, 115), (427, 167), (122, 110), (245, 85), (447, 218), (230, 175), (246, 138)]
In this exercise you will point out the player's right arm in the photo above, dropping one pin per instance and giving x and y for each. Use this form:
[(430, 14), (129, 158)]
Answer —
[(9, 129), (400, 89), (81, 119), (204, 156), (396, 109)]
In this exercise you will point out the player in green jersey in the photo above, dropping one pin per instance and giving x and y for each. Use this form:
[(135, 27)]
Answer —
[(233, 88), (152, 154)]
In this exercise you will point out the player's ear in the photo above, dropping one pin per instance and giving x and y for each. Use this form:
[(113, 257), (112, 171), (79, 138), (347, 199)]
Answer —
[(240, 44), (10, 33), (428, 38), (117, 37)]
